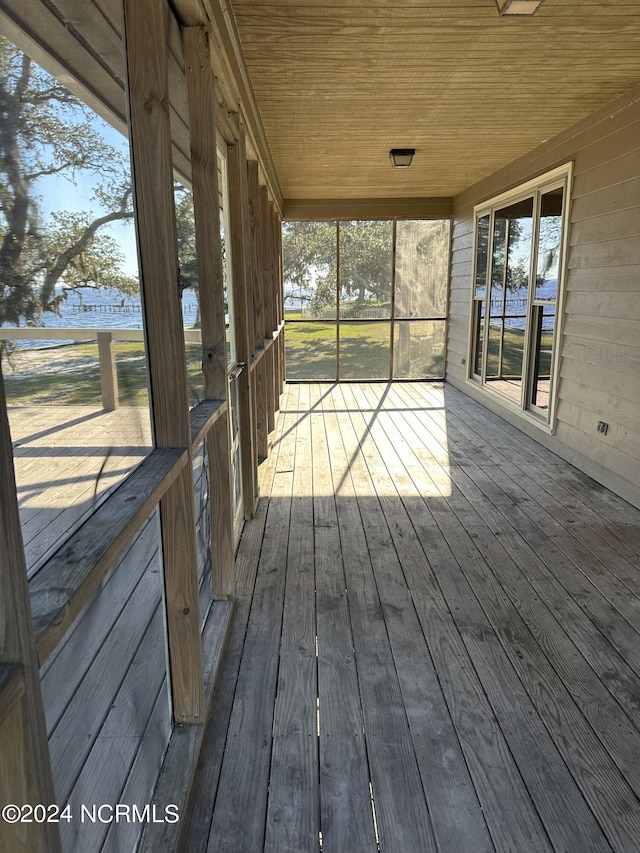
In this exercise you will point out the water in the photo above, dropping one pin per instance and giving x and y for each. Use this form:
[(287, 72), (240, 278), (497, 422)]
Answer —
[(107, 308)]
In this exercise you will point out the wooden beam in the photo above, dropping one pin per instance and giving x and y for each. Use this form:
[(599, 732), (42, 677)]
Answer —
[(259, 376), (202, 417), (267, 284), (152, 173), (280, 305), (108, 372), (255, 282), (190, 13), (204, 166), (67, 580), (243, 311), (26, 767), (257, 279), (276, 285), (307, 209), (226, 32)]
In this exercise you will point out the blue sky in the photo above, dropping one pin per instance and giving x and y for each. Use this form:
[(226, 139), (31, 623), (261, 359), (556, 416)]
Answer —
[(58, 192)]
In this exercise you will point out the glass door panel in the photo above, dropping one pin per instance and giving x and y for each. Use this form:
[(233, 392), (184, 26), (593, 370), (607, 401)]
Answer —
[(517, 281), (544, 318), (513, 231), (543, 308)]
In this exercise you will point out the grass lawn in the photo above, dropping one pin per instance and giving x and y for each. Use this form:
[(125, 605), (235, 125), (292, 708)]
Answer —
[(364, 351), (70, 375)]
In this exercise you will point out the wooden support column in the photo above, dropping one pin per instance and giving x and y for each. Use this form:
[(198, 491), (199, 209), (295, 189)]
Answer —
[(275, 313), (256, 251), (244, 321), (152, 173), (267, 363), (257, 278), (280, 279), (204, 166), (108, 371), (268, 315), (25, 776)]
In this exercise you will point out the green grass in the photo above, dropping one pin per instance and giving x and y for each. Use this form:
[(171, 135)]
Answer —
[(70, 375), (364, 352)]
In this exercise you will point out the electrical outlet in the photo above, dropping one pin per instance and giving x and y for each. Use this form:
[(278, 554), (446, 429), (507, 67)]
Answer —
[(603, 427)]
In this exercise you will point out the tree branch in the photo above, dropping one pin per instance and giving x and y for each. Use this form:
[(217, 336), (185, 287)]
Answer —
[(63, 260)]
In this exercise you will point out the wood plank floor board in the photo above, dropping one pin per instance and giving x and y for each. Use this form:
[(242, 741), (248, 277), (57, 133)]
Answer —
[(537, 558), (576, 492), (474, 665), (345, 799), (198, 814), (293, 820), (448, 788), (66, 458), (545, 510), (243, 786), (402, 816), (536, 752), (581, 750), (586, 615)]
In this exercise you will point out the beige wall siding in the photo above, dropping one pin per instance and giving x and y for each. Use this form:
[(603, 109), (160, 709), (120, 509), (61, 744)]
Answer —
[(600, 346)]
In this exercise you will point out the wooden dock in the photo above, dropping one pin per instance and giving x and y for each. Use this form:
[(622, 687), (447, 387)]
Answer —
[(436, 645), (66, 459)]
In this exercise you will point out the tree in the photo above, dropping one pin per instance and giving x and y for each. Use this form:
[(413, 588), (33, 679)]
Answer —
[(46, 131), (310, 264), (366, 253)]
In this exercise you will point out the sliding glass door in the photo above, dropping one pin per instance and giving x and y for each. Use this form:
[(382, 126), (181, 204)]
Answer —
[(516, 287)]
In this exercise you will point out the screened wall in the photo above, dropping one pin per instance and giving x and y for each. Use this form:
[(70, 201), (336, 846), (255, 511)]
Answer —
[(365, 300)]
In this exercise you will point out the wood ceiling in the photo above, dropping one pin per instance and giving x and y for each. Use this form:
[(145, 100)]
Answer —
[(340, 84)]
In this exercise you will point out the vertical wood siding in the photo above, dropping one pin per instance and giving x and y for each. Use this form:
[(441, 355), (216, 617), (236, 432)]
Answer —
[(600, 345)]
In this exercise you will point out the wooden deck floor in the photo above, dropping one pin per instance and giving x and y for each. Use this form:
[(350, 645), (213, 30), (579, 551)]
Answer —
[(436, 645), (66, 458)]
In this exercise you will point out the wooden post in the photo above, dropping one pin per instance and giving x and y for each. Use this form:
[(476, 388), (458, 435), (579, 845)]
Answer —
[(108, 371), (256, 251), (25, 776), (280, 286), (255, 294), (270, 317), (276, 287), (204, 166), (243, 308), (152, 173)]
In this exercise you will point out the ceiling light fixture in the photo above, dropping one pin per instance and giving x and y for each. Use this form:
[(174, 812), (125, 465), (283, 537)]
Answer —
[(401, 157), (518, 7)]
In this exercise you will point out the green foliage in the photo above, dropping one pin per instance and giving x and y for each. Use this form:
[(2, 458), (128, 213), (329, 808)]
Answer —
[(186, 232), (46, 131), (366, 252), (310, 262)]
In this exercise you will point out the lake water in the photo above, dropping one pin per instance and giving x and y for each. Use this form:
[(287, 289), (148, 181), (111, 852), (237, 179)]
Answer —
[(90, 309)]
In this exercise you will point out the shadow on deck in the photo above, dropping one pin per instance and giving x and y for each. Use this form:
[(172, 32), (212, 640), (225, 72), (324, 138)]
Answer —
[(67, 459), (435, 645)]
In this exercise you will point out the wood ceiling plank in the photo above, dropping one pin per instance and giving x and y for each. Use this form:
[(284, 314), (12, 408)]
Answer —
[(470, 90)]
